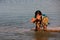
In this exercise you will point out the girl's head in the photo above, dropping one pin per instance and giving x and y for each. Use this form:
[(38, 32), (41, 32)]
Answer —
[(38, 13)]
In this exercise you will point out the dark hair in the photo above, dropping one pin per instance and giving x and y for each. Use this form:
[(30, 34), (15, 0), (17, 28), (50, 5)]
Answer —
[(38, 12)]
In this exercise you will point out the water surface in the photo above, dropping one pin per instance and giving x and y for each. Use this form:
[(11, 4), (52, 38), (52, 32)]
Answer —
[(15, 18)]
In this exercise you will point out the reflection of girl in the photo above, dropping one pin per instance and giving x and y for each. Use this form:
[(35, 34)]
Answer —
[(39, 20)]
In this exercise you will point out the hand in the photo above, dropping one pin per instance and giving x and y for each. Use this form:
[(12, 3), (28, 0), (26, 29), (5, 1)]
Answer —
[(33, 19)]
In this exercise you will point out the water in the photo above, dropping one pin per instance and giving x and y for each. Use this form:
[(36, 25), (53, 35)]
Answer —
[(15, 18)]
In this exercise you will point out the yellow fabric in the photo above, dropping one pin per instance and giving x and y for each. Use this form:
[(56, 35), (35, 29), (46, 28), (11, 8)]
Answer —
[(45, 20)]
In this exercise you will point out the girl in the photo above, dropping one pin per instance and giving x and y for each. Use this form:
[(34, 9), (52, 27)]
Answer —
[(39, 20)]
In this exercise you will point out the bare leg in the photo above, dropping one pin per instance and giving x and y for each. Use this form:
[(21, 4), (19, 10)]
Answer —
[(37, 27), (45, 28)]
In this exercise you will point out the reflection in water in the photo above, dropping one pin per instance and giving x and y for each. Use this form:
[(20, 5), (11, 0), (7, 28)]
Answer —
[(41, 36)]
